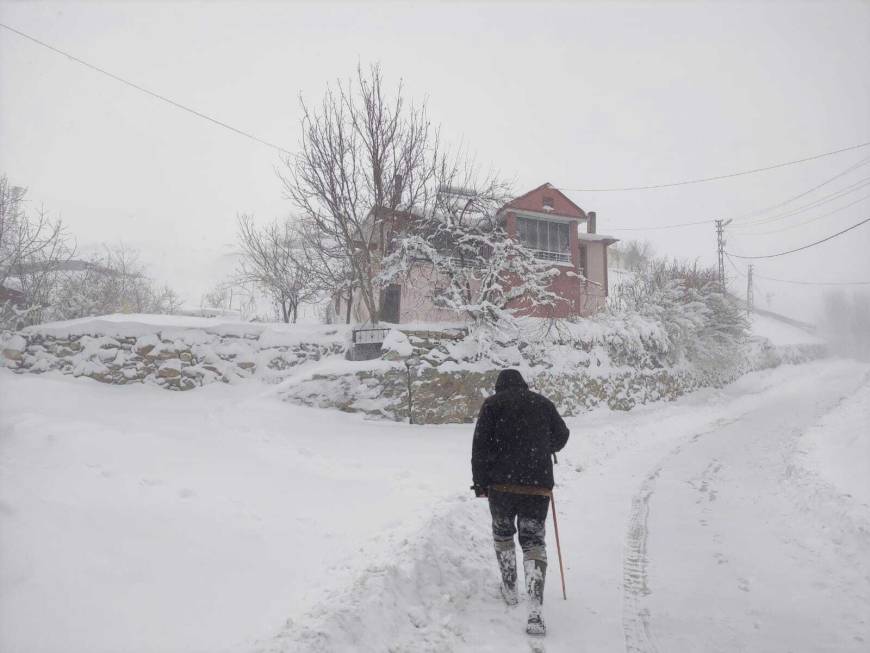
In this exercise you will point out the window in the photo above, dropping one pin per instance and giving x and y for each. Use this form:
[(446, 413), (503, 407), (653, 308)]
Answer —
[(548, 239)]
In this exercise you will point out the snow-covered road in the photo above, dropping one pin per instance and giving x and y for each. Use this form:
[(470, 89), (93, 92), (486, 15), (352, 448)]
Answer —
[(727, 540), (132, 519)]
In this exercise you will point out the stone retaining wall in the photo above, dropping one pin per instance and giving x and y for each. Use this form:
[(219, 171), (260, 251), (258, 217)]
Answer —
[(437, 384), (173, 359), (432, 393)]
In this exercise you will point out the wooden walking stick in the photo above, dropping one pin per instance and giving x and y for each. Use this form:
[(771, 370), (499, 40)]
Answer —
[(558, 545)]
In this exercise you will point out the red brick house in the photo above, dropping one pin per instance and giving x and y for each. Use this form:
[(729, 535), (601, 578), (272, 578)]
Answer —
[(557, 231)]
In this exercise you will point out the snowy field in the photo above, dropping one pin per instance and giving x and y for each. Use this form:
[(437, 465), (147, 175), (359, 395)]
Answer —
[(138, 520)]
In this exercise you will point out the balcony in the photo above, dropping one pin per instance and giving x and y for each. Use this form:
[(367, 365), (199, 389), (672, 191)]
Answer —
[(557, 257)]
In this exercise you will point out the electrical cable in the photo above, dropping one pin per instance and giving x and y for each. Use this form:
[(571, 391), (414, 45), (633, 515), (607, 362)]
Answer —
[(801, 224), (282, 150), (718, 177), (798, 249), (817, 283), (800, 283), (739, 218), (825, 199), (822, 200), (667, 226), (163, 98)]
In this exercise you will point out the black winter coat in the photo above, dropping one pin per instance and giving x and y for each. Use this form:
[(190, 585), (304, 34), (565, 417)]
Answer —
[(516, 433)]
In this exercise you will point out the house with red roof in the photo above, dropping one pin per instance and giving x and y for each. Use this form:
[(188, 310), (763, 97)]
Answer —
[(547, 222), (555, 229)]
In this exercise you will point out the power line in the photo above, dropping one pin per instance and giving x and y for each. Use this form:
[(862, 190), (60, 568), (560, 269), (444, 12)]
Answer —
[(718, 177), (791, 251), (739, 218), (667, 226), (752, 223), (822, 200), (800, 283), (806, 222), (734, 265), (817, 283), (163, 98), (825, 199), (282, 150)]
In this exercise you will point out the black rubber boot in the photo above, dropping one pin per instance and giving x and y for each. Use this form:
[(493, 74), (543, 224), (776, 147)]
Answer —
[(505, 553), (536, 573)]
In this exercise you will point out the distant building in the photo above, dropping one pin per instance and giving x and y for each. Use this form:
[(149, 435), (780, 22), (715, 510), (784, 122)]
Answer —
[(10, 291)]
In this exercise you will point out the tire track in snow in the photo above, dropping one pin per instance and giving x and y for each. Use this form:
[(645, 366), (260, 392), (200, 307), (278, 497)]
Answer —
[(636, 616)]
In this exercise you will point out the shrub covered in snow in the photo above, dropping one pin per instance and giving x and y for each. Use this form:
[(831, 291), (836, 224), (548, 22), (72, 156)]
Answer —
[(703, 326)]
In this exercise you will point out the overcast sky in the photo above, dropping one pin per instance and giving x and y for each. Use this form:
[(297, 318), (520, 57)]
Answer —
[(584, 95)]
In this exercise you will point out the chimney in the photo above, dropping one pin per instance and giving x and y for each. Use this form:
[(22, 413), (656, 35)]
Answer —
[(590, 222)]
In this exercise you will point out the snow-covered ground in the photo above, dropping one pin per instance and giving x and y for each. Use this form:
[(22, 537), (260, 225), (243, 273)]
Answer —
[(781, 333), (134, 519)]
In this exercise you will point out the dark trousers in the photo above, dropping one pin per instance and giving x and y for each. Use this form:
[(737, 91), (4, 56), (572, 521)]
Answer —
[(523, 513)]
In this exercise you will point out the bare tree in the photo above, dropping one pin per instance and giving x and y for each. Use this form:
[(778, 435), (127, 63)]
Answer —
[(631, 255), (32, 248), (115, 282), (366, 158), (330, 271), (273, 258), (221, 296)]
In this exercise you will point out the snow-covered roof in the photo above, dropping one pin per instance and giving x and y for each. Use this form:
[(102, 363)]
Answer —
[(597, 238), (556, 202)]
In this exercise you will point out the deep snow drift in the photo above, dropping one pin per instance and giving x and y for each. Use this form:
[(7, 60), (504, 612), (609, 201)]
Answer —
[(226, 520)]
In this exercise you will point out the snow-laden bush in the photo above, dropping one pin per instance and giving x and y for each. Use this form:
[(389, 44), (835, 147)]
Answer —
[(703, 325)]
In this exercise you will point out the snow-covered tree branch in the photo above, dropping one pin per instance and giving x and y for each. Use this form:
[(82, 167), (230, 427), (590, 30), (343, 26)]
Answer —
[(467, 263)]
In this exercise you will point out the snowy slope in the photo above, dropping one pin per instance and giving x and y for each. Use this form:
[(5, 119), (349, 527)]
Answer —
[(226, 520), (837, 449), (780, 333)]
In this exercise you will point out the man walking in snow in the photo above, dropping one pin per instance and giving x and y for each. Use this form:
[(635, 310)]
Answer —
[(516, 434)]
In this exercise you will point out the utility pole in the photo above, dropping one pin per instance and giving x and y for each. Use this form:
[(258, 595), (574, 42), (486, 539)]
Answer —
[(720, 248), (750, 299)]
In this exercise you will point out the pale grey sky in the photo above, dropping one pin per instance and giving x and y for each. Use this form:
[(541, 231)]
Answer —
[(578, 94)]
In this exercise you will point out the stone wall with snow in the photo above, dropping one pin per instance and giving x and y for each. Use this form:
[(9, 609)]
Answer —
[(446, 382), (429, 375), (177, 353)]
